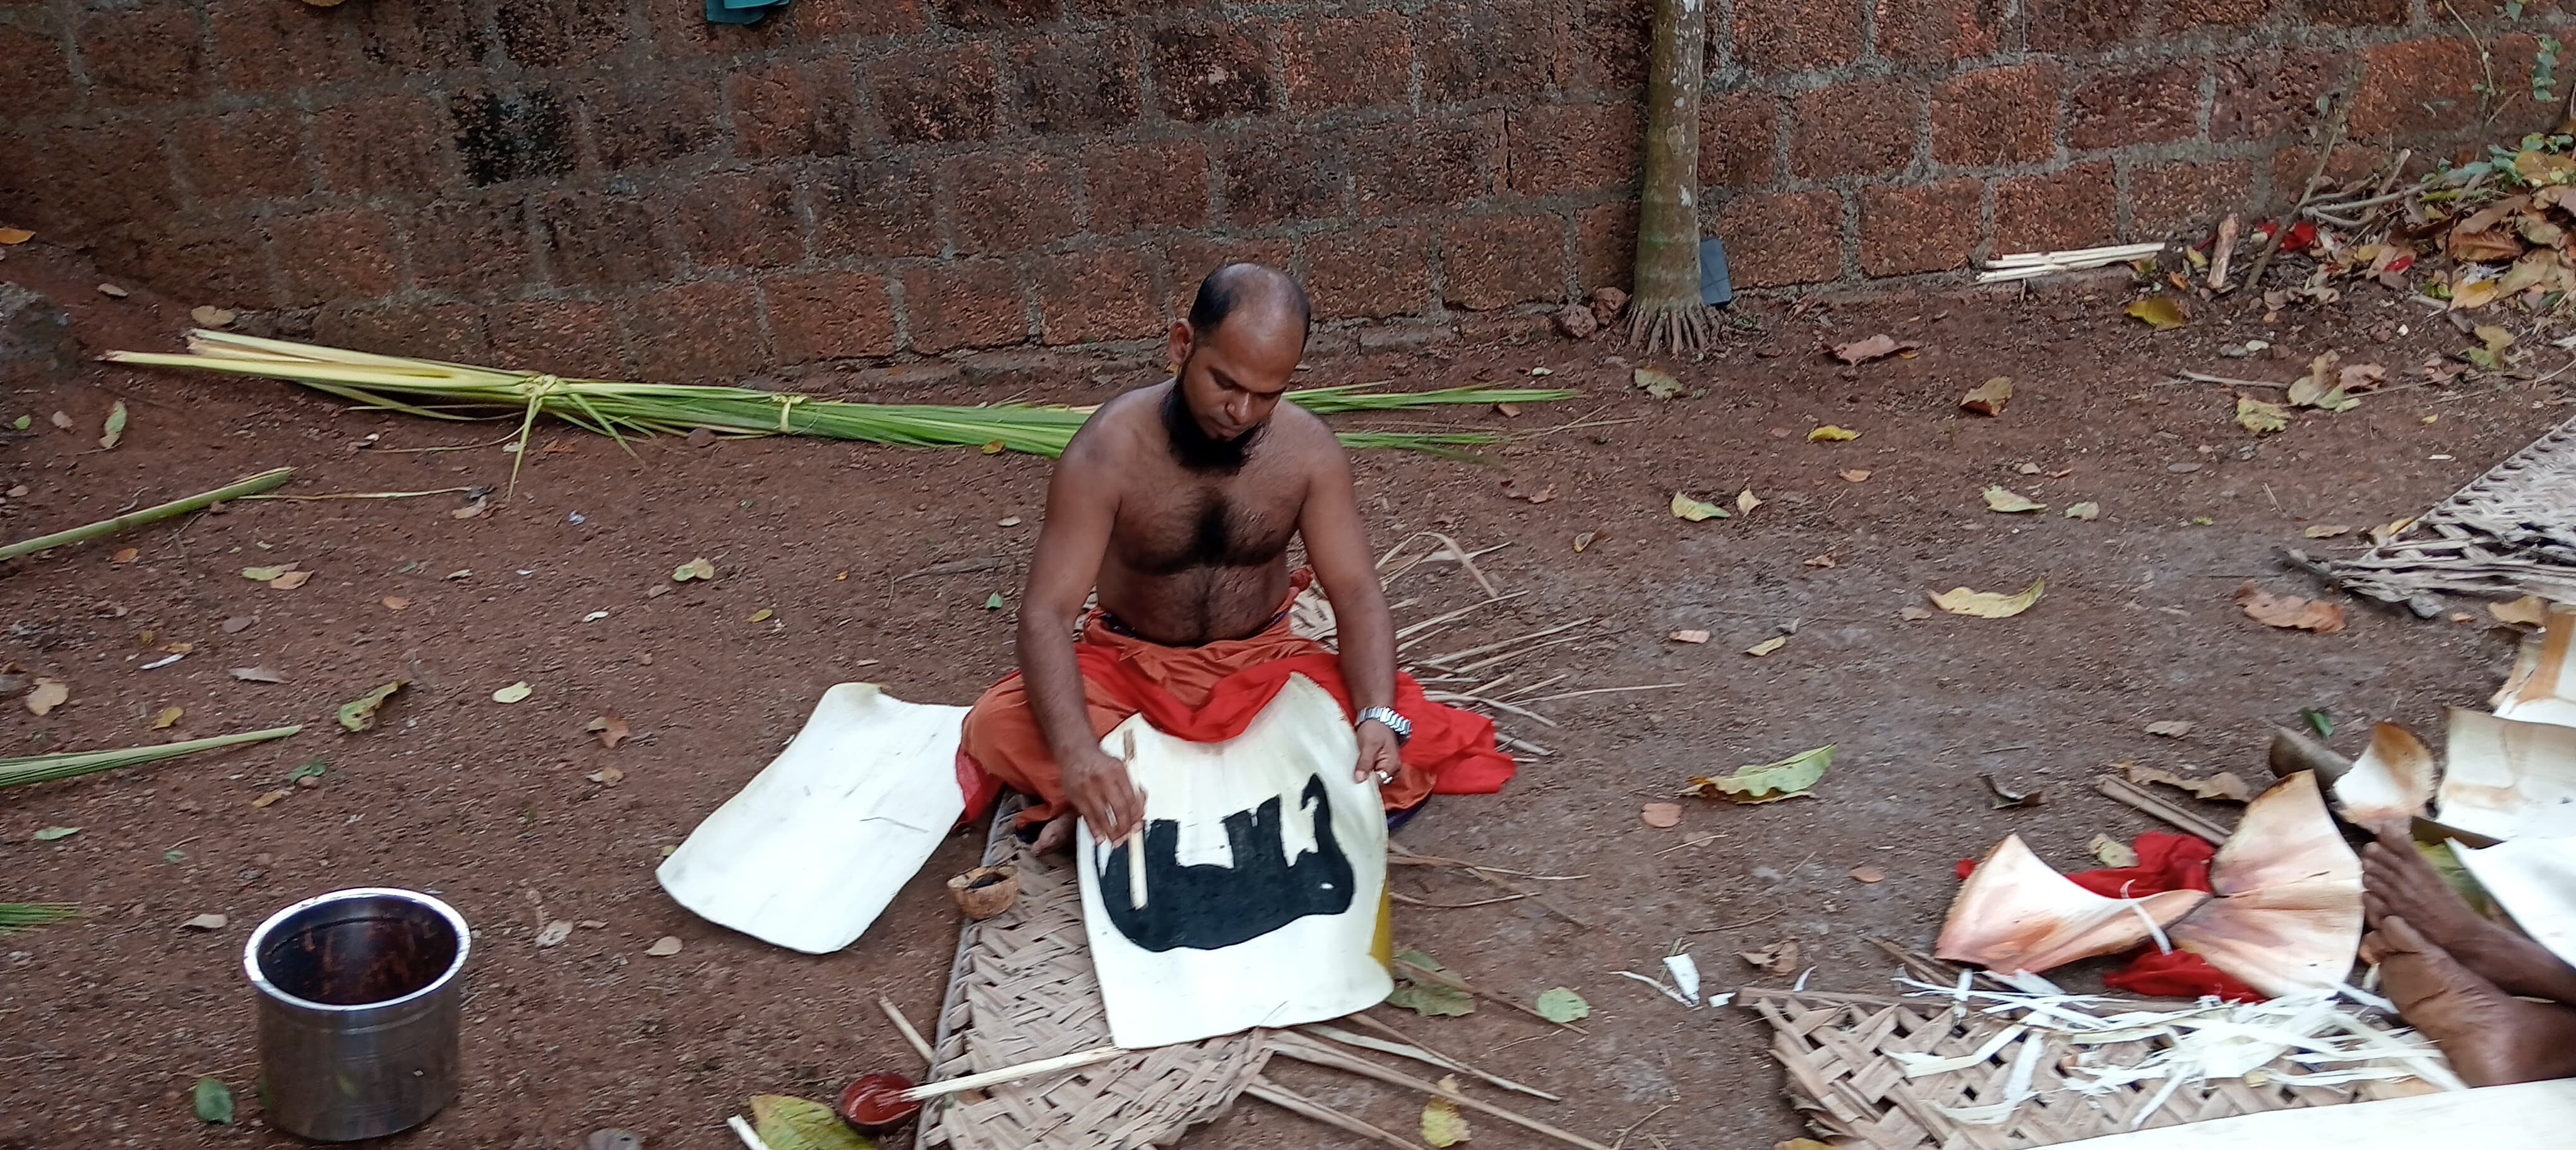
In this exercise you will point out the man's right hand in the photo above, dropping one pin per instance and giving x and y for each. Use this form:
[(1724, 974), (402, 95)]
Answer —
[(1102, 793)]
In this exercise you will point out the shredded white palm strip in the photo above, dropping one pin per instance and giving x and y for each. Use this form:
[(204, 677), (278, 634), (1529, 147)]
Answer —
[(2210, 1041)]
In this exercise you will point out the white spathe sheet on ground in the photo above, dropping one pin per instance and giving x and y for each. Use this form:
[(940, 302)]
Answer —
[(2535, 881), (2537, 690), (2528, 1116), (1261, 884), (2508, 779), (811, 850)]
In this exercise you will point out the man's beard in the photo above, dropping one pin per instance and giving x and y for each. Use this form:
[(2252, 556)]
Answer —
[(1194, 447)]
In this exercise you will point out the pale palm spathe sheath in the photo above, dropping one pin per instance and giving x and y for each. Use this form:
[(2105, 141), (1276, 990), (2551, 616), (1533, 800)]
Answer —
[(809, 853)]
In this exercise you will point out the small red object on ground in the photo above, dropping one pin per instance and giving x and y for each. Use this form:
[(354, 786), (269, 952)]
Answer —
[(875, 1103)]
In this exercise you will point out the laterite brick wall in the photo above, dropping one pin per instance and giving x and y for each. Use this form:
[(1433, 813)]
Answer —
[(614, 186)]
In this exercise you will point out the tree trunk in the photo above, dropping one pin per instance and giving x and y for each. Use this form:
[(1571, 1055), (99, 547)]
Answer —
[(1665, 310)]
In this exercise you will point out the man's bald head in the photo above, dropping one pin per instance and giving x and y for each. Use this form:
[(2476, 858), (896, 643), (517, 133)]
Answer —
[(1253, 292), (1231, 360)]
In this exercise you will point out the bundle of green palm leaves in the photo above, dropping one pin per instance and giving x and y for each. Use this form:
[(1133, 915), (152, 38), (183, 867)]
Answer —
[(440, 390), (16, 916)]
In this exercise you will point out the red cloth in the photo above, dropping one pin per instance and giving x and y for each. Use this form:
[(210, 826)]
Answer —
[(1209, 694), (2165, 862)]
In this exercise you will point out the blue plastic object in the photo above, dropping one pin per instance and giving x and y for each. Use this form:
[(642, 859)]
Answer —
[(742, 11), (1713, 286)]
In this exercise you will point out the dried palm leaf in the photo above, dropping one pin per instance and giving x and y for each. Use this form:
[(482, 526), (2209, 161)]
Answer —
[(2390, 783), (2287, 918), (2538, 689), (2016, 915)]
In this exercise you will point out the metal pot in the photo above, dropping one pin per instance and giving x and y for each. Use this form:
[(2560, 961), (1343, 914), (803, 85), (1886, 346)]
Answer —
[(359, 993)]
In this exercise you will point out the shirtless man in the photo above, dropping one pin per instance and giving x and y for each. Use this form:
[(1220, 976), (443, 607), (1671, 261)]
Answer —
[(1177, 502), (2465, 982)]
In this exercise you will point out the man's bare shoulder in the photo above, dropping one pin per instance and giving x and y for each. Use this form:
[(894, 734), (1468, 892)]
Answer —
[(1117, 430)]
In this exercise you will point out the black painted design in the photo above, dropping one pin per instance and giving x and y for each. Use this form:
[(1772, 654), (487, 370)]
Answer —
[(1205, 907)]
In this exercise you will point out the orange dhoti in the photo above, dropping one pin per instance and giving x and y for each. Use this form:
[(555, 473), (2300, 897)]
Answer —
[(1208, 694)]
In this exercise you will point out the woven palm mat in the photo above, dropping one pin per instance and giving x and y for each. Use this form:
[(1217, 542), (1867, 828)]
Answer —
[(1022, 989), (1836, 1050), (2511, 532)]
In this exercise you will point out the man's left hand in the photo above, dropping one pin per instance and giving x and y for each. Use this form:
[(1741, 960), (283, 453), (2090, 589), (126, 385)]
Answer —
[(1378, 754)]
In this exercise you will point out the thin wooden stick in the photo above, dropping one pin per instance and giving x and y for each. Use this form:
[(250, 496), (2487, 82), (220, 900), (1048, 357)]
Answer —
[(1519, 693), (2199, 377), (1294, 1103), (251, 485), (1452, 1060), (911, 1036), (1602, 691), (2272, 243), (1415, 1053), (1409, 631), (1622, 1140), (1400, 855), (1522, 745), (363, 495), (1480, 700), (1075, 1060), (1511, 642), (2136, 796), (1508, 656), (1409, 900), (1306, 1049), (1452, 981)]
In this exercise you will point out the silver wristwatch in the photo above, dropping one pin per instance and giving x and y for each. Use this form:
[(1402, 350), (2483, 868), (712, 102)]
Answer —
[(1386, 717)]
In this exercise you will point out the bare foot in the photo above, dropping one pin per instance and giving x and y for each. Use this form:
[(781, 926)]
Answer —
[(2491, 1038), (1057, 837), (2397, 881)]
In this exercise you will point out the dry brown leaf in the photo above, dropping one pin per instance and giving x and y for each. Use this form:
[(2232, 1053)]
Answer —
[(126, 555), (2223, 785), (608, 776), (12, 237), (1780, 958), (1867, 873), (271, 799), (2011, 502), (1744, 500), (61, 420), (1585, 539), (1855, 475), (2289, 611), (1989, 398), (1767, 646), (46, 695), (1875, 347), (1688, 636), (1824, 560), (664, 947), (2528, 611), (611, 729), (395, 602), (2171, 728), (256, 675), (289, 580), (168, 718), (1829, 433), (1661, 815), (2326, 531), (1914, 614), (2261, 417)]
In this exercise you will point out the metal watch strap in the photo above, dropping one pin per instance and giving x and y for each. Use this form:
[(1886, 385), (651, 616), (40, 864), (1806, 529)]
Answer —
[(1392, 721)]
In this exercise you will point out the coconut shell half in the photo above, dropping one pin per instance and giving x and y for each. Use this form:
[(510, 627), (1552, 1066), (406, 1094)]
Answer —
[(2015, 914), (2390, 783), (2287, 918)]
